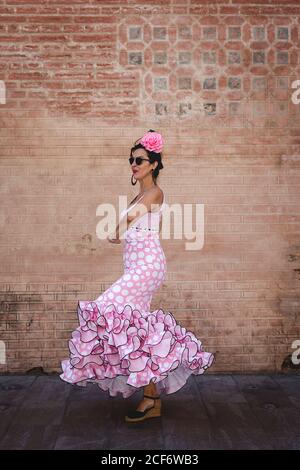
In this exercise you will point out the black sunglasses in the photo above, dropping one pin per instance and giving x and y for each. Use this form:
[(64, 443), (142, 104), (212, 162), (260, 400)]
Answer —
[(138, 160)]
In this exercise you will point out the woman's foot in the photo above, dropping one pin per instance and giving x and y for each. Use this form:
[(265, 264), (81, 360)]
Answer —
[(147, 408), (145, 404)]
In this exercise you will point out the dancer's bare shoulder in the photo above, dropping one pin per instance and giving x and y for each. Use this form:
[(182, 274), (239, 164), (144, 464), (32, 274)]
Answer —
[(157, 195)]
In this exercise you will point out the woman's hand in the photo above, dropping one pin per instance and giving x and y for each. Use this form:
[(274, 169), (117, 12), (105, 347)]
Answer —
[(113, 239)]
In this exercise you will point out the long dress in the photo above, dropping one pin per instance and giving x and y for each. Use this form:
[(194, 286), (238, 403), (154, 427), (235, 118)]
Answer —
[(121, 344)]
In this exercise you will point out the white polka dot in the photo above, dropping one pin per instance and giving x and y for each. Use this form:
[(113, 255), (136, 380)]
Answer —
[(120, 299), (149, 258), (116, 288)]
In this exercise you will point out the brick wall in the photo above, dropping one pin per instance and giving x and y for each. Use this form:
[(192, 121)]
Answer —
[(81, 81)]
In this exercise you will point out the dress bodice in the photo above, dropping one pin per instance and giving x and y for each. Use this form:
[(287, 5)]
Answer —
[(148, 222)]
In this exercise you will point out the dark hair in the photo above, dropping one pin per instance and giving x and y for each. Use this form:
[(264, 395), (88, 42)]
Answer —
[(153, 157)]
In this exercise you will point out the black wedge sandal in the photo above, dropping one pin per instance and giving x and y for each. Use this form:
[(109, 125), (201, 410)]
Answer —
[(153, 412)]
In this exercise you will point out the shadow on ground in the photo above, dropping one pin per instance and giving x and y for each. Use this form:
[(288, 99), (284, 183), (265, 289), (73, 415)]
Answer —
[(209, 412)]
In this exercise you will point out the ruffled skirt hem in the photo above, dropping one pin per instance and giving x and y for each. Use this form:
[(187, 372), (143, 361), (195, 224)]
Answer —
[(125, 350)]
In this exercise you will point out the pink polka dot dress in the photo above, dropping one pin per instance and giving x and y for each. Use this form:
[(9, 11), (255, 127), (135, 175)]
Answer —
[(121, 344)]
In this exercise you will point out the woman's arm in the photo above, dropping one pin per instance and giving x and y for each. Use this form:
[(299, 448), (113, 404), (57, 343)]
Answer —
[(114, 237)]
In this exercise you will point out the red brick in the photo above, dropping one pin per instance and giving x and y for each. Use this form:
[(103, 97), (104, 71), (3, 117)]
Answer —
[(74, 107)]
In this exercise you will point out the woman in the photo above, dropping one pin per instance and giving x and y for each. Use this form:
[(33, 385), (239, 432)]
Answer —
[(120, 344)]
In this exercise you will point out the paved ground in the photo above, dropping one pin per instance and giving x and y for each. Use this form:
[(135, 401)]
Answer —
[(209, 412)]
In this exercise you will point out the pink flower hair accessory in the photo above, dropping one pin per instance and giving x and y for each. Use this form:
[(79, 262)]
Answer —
[(152, 141)]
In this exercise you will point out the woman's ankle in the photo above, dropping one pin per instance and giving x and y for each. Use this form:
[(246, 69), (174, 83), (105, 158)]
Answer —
[(151, 390)]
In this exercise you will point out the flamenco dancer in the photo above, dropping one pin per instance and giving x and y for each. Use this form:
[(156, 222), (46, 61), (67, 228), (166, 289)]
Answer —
[(121, 344)]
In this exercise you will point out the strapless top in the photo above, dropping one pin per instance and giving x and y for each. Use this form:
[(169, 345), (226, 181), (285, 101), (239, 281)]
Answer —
[(147, 222)]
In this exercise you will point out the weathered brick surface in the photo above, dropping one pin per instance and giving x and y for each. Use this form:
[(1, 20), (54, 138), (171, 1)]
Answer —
[(83, 81)]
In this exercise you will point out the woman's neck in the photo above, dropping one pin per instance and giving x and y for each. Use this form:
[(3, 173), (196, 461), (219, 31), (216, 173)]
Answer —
[(146, 187)]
